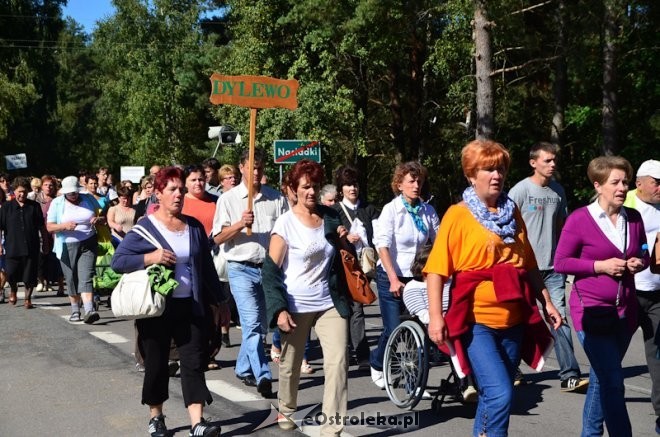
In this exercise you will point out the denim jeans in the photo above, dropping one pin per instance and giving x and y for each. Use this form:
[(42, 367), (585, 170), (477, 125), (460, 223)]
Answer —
[(245, 284), (605, 353), (568, 365), (391, 308), (494, 356)]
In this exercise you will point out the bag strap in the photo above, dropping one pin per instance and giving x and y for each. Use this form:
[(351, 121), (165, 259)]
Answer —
[(346, 212), (625, 258), (144, 233)]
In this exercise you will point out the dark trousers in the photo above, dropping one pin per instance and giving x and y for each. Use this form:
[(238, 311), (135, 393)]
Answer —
[(189, 334), (649, 319), (139, 354), (357, 333)]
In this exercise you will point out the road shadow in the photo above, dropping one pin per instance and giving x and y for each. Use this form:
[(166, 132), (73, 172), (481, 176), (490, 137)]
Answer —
[(629, 372), (527, 397)]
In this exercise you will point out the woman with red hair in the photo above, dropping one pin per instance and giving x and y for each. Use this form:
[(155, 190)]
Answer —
[(492, 318), (304, 286), (184, 247)]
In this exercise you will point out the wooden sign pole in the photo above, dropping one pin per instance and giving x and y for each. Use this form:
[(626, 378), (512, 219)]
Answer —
[(253, 136), (253, 92)]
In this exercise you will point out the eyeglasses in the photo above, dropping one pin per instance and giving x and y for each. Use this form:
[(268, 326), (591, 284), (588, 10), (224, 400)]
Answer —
[(229, 177)]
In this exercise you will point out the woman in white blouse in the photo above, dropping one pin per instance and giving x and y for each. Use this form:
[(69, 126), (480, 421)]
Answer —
[(304, 287), (405, 224)]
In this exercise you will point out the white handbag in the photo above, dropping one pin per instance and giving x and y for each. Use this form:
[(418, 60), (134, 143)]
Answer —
[(133, 298), (220, 263)]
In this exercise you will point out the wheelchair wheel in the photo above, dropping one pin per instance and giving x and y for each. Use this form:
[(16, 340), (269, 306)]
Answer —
[(405, 366)]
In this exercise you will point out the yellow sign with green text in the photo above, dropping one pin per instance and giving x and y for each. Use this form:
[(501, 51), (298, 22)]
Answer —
[(254, 91)]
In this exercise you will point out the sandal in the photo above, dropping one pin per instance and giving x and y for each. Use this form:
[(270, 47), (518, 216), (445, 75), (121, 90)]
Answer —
[(275, 355), (306, 369)]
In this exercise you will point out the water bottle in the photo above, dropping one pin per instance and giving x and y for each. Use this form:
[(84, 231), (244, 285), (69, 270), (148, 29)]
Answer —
[(645, 251)]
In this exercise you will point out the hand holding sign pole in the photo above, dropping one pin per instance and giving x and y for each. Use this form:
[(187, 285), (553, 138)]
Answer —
[(253, 92)]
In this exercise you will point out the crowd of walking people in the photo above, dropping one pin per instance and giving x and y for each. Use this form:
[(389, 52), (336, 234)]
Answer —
[(487, 277)]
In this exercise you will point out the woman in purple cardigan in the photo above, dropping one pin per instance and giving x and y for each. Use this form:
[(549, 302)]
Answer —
[(601, 244), (185, 249)]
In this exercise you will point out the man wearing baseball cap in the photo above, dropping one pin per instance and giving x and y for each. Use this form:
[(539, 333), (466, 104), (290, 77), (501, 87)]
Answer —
[(646, 200)]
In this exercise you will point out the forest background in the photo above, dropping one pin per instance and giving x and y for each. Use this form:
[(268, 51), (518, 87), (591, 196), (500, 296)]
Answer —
[(381, 82)]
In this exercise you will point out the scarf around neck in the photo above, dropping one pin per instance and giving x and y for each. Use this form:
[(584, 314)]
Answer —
[(500, 222), (414, 213)]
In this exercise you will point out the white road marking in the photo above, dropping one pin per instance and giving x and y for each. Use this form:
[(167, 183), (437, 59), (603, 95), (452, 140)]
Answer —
[(109, 337), (231, 392)]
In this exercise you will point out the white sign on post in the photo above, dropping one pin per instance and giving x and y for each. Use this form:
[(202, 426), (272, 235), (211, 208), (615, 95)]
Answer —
[(133, 174), (14, 162)]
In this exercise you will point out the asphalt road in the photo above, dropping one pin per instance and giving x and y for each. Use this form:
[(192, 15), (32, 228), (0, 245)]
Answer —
[(63, 379)]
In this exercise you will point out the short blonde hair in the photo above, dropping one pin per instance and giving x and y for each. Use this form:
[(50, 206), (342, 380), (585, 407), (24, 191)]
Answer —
[(599, 168), (480, 154), (35, 183), (146, 180), (227, 170)]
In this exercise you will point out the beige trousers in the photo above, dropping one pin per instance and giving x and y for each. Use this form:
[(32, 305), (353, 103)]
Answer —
[(332, 331)]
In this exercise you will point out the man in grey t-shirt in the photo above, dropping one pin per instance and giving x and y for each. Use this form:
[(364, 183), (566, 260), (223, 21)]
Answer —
[(542, 203)]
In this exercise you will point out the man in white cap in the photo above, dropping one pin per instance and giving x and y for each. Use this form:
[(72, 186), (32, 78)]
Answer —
[(646, 200)]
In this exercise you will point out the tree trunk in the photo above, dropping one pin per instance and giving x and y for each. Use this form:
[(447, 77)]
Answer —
[(483, 56), (361, 101), (396, 112), (610, 33), (416, 100), (560, 86)]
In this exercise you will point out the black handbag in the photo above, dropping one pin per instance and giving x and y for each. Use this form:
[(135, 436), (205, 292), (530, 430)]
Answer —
[(600, 320)]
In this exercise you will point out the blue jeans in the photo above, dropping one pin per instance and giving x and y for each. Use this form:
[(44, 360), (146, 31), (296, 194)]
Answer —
[(494, 356), (605, 353), (568, 365), (245, 284), (391, 308)]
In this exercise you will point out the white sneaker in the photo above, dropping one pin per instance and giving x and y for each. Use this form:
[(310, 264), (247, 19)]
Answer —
[(377, 378), (39, 287), (470, 394)]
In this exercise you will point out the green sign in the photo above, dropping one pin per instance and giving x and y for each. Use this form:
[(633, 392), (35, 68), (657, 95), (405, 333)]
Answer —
[(292, 151)]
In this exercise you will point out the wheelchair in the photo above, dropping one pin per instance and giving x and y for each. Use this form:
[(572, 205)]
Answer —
[(409, 354)]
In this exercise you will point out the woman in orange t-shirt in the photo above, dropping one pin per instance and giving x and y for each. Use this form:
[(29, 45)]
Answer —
[(482, 244)]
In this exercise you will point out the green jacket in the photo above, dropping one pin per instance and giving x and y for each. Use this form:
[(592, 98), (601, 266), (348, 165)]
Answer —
[(272, 276)]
